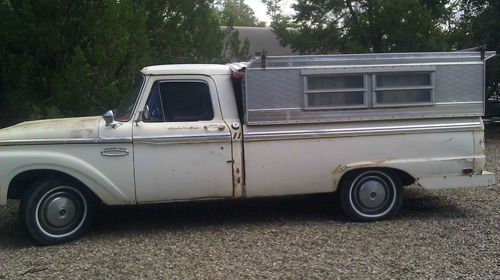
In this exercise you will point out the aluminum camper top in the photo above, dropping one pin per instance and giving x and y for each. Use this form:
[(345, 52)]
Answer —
[(356, 87)]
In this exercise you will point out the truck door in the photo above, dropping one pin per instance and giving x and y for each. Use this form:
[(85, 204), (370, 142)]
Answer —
[(182, 146)]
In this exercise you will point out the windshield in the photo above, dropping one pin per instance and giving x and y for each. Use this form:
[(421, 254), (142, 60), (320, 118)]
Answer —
[(125, 110)]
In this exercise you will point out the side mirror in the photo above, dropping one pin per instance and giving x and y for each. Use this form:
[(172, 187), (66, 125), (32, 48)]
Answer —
[(109, 118)]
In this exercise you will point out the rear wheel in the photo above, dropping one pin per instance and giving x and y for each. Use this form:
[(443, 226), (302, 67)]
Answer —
[(57, 210), (371, 195)]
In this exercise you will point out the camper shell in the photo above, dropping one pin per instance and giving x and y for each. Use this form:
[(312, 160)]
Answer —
[(358, 87)]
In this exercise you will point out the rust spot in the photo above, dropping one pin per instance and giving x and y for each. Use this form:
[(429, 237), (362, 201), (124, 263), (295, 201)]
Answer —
[(336, 174), (77, 133), (339, 169), (58, 128), (447, 140)]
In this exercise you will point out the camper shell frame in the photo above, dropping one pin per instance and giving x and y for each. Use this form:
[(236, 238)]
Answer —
[(357, 87)]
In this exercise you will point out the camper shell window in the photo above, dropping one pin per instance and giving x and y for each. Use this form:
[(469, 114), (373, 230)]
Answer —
[(386, 89), (335, 91), (403, 89)]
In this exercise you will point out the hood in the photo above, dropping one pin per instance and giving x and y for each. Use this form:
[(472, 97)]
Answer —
[(68, 128)]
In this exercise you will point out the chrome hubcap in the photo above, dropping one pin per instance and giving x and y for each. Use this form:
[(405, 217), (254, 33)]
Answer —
[(372, 193), (60, 211)]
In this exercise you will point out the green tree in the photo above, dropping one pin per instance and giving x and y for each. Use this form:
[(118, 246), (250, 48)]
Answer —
[(72, 58), (233, 13), (331, 26), (183, 31), (237, 13), (67, 58), (477, 23), (234, 49)]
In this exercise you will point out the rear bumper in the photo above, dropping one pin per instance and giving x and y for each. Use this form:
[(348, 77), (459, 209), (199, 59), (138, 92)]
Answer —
[(461, 181)]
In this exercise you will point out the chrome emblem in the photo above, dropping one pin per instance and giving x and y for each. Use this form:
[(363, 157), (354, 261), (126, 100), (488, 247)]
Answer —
[(114, 152)]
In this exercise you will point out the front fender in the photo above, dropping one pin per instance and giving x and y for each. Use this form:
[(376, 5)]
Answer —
[(16, 162)]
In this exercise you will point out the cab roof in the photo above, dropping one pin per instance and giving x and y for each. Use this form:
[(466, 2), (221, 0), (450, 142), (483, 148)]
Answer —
[(200, 69)]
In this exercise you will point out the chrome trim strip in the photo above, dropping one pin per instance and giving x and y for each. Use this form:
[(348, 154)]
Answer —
[(455, 54), (49, 141), (273, 109), (175, 139), (460, 102), (255, 136), (98, 140), (183, 139), (111, 140), (367, 65), (360, 131)]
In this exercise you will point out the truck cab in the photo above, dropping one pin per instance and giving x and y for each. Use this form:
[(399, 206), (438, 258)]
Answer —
[(189, 120)]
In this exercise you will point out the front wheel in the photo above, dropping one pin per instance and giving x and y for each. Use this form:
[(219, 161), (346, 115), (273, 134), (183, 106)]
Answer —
[(56, 210), (371, 195)]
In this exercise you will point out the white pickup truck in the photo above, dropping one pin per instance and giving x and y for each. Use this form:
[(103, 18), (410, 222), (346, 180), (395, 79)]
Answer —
[(363, 125)]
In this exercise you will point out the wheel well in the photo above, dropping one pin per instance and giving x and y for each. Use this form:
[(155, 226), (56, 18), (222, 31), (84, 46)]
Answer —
[(406, 179), (23, 181)]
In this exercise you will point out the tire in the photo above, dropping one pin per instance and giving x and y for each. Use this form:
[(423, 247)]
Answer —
[(371, 195), (57, 210)]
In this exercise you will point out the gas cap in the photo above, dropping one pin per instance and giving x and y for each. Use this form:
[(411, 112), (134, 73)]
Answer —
[(235, 125)]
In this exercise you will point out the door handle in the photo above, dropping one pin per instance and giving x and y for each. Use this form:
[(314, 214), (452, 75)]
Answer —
[(213, 127)]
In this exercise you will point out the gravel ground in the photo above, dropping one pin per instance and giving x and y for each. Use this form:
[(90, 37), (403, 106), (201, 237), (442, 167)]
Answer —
[(438, 234)]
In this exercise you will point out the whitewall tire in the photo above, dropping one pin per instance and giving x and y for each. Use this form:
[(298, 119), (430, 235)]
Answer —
[(57, 210), (371, 195)]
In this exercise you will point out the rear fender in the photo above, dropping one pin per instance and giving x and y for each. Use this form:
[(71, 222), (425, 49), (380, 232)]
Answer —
[(415, 167)]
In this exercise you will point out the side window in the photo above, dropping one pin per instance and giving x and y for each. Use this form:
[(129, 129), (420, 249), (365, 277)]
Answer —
[(342, 91), (403, 89), (180, 102), (335, 91)]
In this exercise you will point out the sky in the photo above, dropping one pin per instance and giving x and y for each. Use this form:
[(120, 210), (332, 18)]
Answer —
[(260, 9)]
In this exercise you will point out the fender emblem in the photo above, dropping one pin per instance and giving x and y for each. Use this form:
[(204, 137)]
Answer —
[(114, 152)]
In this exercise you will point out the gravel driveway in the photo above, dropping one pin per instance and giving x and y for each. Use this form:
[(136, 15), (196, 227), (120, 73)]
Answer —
[(438, 234)]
